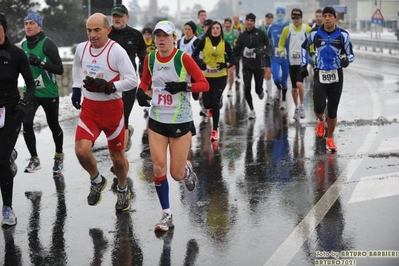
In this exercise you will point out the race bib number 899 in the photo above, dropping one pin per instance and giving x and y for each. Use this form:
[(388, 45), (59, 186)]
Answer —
[(328, 76)]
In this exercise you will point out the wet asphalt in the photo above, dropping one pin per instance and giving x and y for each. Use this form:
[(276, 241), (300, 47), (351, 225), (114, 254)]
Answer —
[(268, 192)]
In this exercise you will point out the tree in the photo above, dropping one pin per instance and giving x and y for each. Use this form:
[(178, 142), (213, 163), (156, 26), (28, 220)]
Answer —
[(63, 22), (15, 12)]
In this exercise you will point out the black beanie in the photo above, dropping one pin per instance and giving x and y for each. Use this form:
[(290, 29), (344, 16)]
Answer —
[(329, 10), (192, 26), (3, 21), (250, 16)]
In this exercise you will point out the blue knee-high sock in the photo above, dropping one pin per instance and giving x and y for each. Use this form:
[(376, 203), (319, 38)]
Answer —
[(162, 188)]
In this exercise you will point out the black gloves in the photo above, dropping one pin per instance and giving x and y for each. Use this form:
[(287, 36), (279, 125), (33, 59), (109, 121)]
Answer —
[(175, 87), (142, 97), (344, 62), (222, 65), (76, 95), (202, 66), (99, 85), (35, 61), (304, 71)]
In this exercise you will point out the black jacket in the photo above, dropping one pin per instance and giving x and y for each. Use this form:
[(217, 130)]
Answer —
[(132, 41), (13, 61), (251, 47)]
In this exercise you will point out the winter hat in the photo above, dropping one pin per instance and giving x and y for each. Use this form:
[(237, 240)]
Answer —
[(296, 13), (147, 30), (281, 9), (250, 16), (208, 22), (280, 16), (329, 10), (35, 17), (192, 26), (3, 21)]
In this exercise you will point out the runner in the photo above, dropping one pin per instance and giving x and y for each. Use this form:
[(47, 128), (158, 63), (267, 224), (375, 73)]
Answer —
[(267, 61), (170, 124), (230, 35), (333, 52)]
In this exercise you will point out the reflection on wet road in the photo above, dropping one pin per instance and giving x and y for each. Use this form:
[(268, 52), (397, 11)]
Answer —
[(268, 193)]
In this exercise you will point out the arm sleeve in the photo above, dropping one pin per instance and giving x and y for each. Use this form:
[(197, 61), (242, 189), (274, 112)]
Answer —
[(128, 77), (197, 51), (51, 50), (283, 38), (77, 74), (348, 47), (146, 78), (200, 84)]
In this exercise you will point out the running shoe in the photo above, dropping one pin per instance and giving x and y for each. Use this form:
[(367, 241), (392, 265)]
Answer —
[(296, 114), (129, 138), (13, 165), (214, 135), (94, 197), (261, 95), (9, 217), (320, 129), (123, 201), (34, 165), (330, 145), (302, 113), (269, 100), (191, 179), (165, 223), (252, 114), (283, 105), (58, 163)]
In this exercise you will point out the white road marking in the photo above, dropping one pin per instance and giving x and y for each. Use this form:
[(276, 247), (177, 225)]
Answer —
[(287, 250), (376, 187), (389, 145)]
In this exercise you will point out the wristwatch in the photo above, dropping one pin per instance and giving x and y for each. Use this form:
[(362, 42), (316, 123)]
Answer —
[(42, 63)]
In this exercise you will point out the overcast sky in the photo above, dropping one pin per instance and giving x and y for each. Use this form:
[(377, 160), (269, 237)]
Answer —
[(172, 4)]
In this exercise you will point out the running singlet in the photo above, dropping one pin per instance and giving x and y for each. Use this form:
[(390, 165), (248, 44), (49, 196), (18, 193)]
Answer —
[(230, 37), (296, 40), (212, 55), (46, 82), (166, 107), (189, 47), (95, 63)]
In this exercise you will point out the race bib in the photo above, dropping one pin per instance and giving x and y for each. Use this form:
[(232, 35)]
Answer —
[(249, 52), (164, 99), (211, 70), (277, 52), (94, 71), (2, 116), (328, 76), (39, 82), (295, 57)]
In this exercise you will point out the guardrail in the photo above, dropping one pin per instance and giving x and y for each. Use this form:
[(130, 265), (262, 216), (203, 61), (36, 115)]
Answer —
[(392, 46)]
